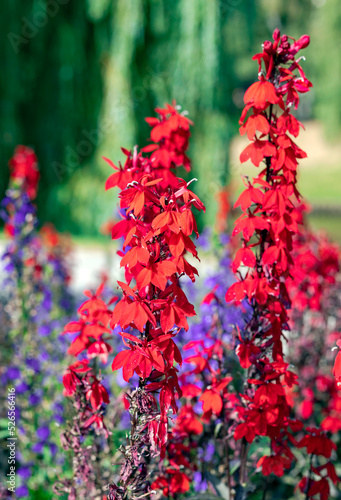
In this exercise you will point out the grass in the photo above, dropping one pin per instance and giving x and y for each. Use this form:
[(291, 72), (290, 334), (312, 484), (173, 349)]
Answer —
[(329, 223), (321, 186)]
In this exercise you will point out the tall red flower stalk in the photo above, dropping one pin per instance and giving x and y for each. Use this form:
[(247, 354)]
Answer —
[(157, 222), (268, 223), (83, 385)]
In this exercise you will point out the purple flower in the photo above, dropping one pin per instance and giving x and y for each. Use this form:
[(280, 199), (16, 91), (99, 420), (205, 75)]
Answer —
[(209, 452), (58, 415), (225, 239), (200, 484), (34, 364), (53, 448), (22, 387), (58, 418), (44, 356), (197, 407), (34, 399), (125, 421), (47, 302), (13, 373), (204, 240), (120, 380), (43, 433), (44, 330), (38, 447), (21, 492), (24, 472)]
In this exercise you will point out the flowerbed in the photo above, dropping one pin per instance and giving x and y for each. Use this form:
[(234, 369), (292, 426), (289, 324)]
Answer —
[(233, 397)]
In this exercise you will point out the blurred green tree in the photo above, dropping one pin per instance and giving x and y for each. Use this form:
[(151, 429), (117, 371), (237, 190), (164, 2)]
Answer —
[(81, 76), (172, 49), (326, 31)]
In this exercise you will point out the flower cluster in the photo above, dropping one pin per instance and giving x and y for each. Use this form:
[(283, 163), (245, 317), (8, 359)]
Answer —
[(37, 301), (241, 427), (24, 170), (314, 321), (314, 289), (157, 222), (83, 383), (208, 398), (269, 221)]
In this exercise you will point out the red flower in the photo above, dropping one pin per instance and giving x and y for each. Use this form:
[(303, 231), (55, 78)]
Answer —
[(261, 94), (245, 256), (257, 151), (177, 483), (268, 392), (317, 443), (320, 487), (212, 399), (71, 379), (97, 421), (275, 464), (143, 356), (249, 196), (255, 122), (97, 394), (24, 168), (187, 421), (246, 351), (248, 224)]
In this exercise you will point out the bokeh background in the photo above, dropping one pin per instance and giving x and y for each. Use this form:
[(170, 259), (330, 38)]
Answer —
[(79, 76)]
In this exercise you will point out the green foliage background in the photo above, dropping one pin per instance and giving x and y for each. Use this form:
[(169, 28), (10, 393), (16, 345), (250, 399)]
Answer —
[(80, 76)]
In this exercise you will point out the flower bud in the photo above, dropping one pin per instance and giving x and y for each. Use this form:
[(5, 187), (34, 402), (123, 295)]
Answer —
[(267, 47), (276, 34), (303, 42)]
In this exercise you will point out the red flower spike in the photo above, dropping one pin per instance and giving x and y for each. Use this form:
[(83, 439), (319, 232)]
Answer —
[(80, 379), (270, 220), (320, 487), (157, 226)]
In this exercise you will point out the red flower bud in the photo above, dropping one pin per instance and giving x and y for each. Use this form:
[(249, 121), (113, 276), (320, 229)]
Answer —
[(268, 47), (276, 34), (303, 42)]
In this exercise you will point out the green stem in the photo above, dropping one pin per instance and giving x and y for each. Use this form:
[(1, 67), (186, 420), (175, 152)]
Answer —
[(309, 477)]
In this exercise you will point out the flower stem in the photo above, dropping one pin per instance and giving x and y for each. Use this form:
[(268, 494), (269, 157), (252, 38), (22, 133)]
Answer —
[(309, 477)]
